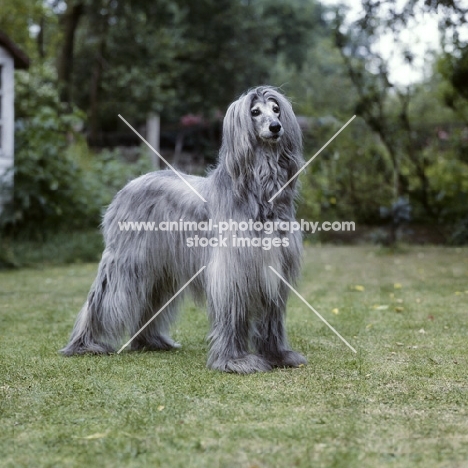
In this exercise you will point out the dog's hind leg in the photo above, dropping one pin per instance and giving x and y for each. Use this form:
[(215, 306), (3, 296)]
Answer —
[(155, 335), (269, 336), (109, 311), (90, 326), (85, 336)]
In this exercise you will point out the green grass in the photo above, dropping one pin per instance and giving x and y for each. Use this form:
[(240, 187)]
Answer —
[(402, 401)]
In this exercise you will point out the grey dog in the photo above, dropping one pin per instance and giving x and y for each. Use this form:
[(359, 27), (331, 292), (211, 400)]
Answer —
[(140, 271)]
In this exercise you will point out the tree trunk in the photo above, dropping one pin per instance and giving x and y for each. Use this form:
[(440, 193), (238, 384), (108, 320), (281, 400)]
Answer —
[(40, 38), (94, 91), (65, 59)]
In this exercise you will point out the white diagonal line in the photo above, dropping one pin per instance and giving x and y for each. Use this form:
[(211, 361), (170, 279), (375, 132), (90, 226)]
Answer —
[(312, 158), (171, 167), (313, 310), (161, 309)]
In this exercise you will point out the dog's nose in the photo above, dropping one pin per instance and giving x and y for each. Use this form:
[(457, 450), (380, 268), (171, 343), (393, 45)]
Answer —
[(275, 127)]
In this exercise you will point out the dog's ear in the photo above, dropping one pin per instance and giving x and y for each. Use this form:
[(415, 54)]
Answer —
[(290, 144), (238, 140)]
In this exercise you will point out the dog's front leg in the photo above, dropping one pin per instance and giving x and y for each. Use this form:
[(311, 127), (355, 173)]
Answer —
[(229, 337), (269, 337)]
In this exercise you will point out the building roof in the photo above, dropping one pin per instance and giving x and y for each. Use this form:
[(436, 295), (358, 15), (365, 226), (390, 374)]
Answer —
[(20, 58)]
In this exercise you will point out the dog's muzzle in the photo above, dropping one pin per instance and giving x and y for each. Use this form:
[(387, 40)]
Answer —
[(275, 127), (276, 130)]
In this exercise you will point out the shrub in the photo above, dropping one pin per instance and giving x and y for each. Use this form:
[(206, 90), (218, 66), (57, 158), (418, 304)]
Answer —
[(59, 183)]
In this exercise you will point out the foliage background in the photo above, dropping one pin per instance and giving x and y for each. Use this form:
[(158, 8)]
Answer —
[(93, 58)]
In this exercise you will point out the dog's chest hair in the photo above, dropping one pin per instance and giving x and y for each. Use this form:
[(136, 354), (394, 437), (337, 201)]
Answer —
[(269, 176)]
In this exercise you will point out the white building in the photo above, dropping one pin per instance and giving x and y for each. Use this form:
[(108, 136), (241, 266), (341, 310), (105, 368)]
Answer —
[(11, 57)]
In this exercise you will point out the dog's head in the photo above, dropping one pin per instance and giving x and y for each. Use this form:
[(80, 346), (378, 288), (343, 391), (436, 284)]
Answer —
[(265, 112), (260, 117)]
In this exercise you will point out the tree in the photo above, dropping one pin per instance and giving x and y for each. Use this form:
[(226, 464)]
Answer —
[(381, 103), (17, 17), (180, 56), (390, 110)]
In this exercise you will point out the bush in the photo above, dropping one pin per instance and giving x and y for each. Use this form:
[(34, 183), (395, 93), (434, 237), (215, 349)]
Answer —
[(59, 183), (460, 233), (66, 192), (57, 249), (49, 186)]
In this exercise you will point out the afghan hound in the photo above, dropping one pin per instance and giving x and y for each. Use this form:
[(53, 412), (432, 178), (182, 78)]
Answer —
[(140, 271)]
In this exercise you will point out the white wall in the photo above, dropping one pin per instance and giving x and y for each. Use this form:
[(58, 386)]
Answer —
[(7, 120)]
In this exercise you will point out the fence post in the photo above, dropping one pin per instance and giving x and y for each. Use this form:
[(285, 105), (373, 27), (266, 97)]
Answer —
[(153, 135)]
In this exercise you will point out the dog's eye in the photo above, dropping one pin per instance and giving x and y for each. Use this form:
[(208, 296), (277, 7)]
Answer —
[(276, 109), (255, 112)]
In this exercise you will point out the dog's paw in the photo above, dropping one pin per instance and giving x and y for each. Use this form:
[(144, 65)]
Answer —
[(287, 359), (78, 348), (158, 343), (247, 364)]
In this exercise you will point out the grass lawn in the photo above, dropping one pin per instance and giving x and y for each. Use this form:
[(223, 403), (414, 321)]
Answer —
[(402, 401)]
